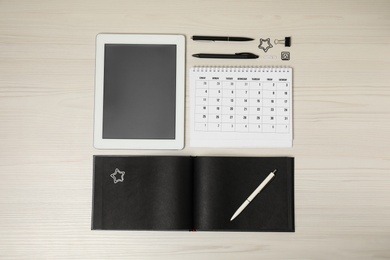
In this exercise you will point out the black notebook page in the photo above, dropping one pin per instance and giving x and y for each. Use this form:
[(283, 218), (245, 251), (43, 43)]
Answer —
[(222, 184), (156, 193)]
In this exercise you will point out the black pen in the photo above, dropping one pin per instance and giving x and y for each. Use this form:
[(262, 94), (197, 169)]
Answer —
[(221, 38), (242, 55)]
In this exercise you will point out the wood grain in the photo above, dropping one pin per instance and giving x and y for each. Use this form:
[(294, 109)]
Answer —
[(341, 58)]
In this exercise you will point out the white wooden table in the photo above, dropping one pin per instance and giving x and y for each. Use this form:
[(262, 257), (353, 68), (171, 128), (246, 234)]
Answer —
[(340, 54)]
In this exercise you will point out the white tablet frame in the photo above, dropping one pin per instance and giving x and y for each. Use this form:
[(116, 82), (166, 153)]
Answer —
[(178, 142)]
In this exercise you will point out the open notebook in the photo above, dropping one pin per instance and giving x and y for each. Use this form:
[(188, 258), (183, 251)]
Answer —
[(192, 193)]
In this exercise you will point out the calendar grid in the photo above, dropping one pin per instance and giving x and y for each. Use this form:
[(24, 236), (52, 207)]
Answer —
[(241, 106), (229, 103)]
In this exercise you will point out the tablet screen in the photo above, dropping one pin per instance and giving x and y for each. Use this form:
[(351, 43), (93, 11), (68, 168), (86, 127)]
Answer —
[(139, 91)]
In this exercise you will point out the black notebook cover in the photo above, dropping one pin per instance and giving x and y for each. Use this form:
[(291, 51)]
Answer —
[(192, 193)]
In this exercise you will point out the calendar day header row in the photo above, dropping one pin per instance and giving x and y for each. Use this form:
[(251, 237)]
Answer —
[(244, 79)]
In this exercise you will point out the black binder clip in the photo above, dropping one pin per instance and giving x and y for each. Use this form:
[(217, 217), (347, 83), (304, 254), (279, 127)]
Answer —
[(286, 41)]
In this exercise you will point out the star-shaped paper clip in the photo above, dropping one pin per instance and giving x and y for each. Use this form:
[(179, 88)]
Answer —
[(269, 45), (115, 174)]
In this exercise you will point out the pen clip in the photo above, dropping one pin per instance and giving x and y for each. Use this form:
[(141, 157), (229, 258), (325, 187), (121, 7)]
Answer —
[(246, 54), (205, 40)]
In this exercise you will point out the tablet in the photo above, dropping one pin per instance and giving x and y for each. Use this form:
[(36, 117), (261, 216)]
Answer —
[(139, 91)]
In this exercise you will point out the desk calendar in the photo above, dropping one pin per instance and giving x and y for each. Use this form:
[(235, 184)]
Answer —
[(241, 107)]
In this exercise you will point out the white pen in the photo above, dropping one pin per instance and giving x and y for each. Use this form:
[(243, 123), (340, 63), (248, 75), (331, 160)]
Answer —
[(253, 195)]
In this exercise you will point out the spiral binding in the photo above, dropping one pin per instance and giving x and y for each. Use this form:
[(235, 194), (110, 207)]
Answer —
[(233, 69)]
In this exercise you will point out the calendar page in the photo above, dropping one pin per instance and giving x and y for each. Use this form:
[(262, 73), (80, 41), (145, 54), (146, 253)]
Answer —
[(241, 107)]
